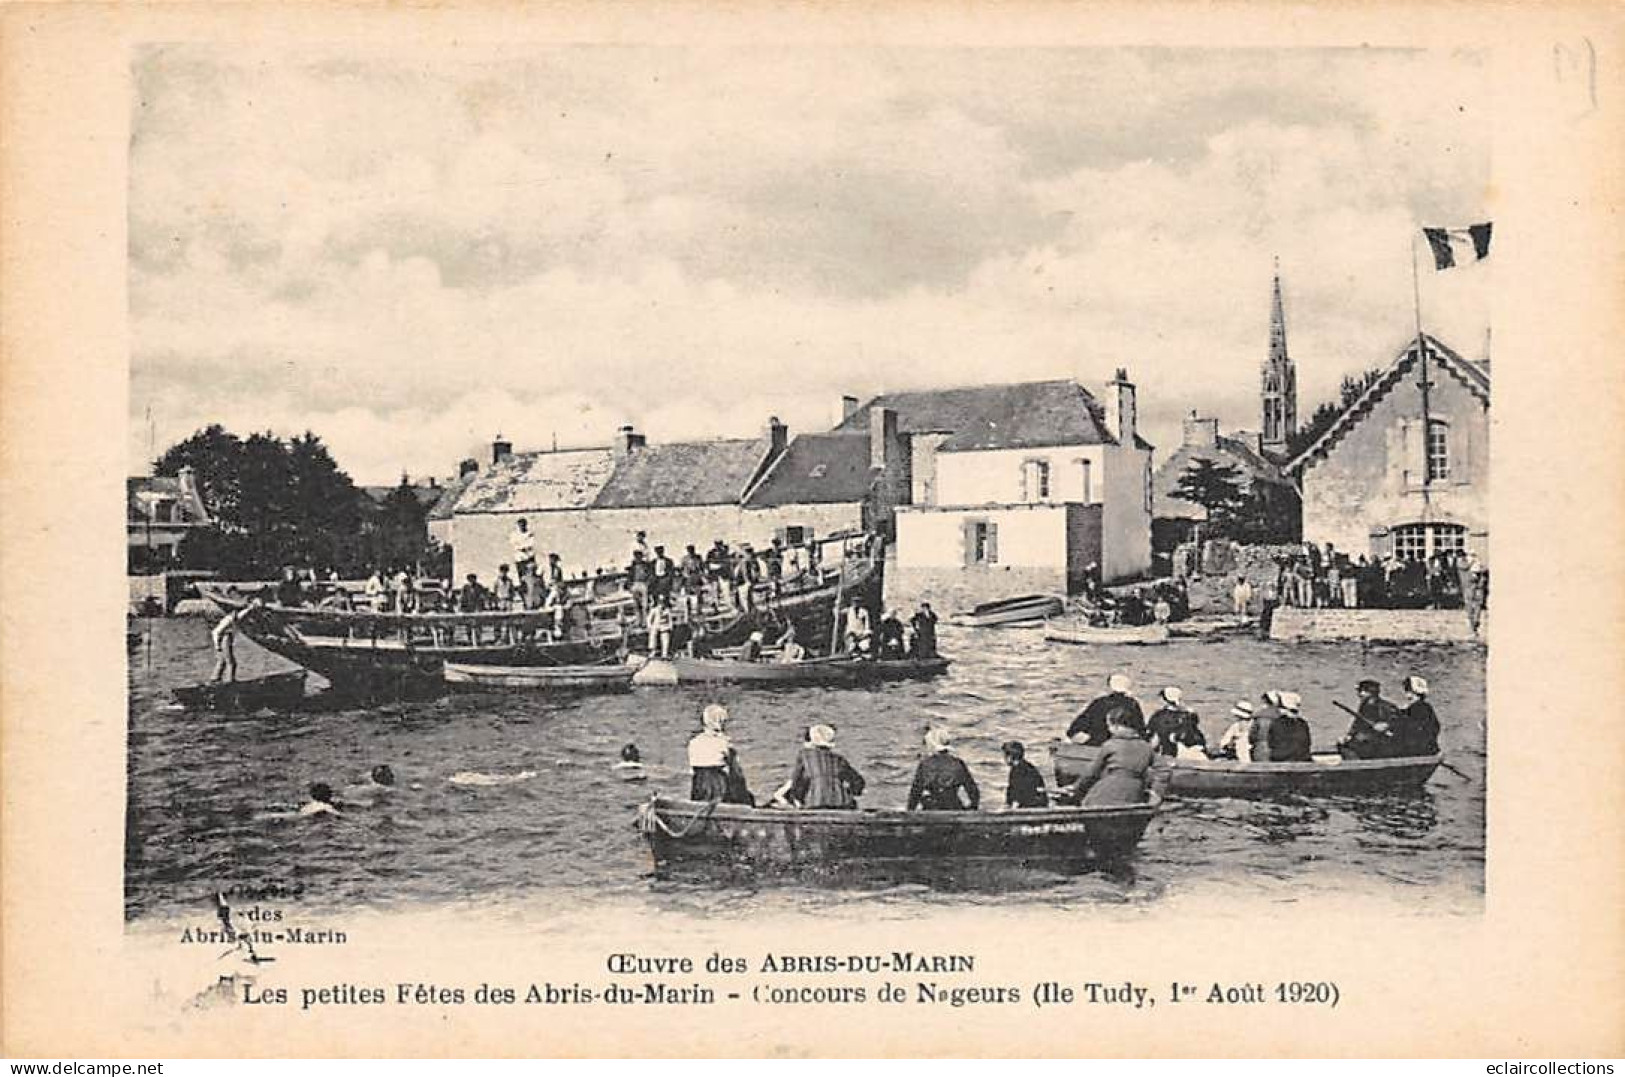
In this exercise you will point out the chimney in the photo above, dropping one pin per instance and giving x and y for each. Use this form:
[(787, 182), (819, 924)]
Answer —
[(628, 440), (187, 477), (1120, 412), (501, 449), (1201, 433), (467, 467), (849, 407), (434, 483), (778, 436), (882, 437)]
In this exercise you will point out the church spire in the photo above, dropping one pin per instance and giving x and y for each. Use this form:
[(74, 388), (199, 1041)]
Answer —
[(1279, 398)]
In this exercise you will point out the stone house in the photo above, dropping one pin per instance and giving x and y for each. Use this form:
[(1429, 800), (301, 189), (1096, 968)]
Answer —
[(1015, 487), (1405, 469), (1174, 519), (160, 511)]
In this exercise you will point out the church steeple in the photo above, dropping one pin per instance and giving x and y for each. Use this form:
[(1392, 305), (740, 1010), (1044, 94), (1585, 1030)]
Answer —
[(1279, 398)]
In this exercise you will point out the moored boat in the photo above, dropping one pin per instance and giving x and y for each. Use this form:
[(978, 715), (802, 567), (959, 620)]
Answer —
[(276, 690), (686, 833), (839, 669), (1210, 627), (610, 677), (1125, 635), (1007, 612), (1326, 773)]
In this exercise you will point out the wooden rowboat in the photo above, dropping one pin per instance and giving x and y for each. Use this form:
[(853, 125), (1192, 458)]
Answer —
[(1325, 774), (597, 678), (277, 690), (1208, 627), (839, 669), (1122, 635), (1022, 610), (686, 833)]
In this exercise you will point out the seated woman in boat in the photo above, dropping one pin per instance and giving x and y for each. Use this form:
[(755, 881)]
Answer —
[(941, 778), (1265, 714), (1289, 737), (1237, 743), (1417, 730), (1025, 788), (1120, 773), (1169, 721), (891, 636), (713, 761), (821, 777), (790, 648), (1189, 741), (1091, 723)]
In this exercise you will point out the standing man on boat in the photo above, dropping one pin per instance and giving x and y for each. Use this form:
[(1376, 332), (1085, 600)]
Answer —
[(1092, 722), (523, 544), (941, 777), (924, 623), (225, 640), (691, 577), (821, 777)]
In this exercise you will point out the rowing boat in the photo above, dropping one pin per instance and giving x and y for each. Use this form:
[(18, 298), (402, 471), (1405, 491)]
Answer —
[(1007, 612), (1326, 773), (599, 678), (276, 690), (1126, 635), (686, 833), (839, 670), (1207, 627)]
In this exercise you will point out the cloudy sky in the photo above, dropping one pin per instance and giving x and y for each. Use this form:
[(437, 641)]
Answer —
[(408, 256)]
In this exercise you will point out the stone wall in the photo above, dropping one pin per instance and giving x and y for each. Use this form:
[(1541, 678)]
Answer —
[(1210, 590), (1371, 626)]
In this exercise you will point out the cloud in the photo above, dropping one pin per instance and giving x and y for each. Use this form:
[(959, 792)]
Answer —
[(408, 258)]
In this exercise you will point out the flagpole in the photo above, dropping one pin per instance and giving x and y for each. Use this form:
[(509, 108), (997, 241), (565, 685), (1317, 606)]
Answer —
[(1422, 361)]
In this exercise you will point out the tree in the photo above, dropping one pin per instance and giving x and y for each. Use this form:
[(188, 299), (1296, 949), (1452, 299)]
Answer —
[(215, 457), (1218, 488)]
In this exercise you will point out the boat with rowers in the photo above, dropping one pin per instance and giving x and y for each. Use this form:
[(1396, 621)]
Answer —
[(841, 669), (1010, 612), (386, 653), (277, 690), (605, 677), (1078, 631), (833, 844), (1324, 773)]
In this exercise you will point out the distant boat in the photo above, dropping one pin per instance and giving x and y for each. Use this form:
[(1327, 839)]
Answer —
[(686, 833), (615, 677), (1211, 626), (1085, 633), (1025, 609), (275, 691), (1326, 773), (840, 669)]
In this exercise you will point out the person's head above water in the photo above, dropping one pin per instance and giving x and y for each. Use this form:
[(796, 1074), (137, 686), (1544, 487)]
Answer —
[(629, 754), (383, 775), (321, 792)]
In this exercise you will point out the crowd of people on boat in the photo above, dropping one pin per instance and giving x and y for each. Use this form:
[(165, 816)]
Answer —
[(1130, 749)]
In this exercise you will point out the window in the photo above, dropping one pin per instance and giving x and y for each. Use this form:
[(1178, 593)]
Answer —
[(163, 512), (1415, 542), (1438, 451), (1035, 480), (1087, 478), (981, 543)]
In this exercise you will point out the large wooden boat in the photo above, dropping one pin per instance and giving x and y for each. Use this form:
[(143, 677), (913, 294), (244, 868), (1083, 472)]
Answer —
[(1081, 632), (608, 677), (686, 833), (1008, 612), (384, 653), (840, 669), (275, 691), (1326, 773)]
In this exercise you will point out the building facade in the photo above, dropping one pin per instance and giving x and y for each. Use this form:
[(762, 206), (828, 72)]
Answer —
[(160, 511), (1278, 504), (1405, 469), (1034, 485)]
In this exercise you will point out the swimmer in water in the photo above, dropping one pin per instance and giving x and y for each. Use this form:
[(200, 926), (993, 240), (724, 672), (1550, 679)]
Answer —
[(631, 765), (379, 781), (321, 801)]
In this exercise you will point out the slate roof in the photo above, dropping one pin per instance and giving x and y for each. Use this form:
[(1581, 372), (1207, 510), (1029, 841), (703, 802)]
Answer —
[(1230, 450), (538, 481), (1024, 415), (683, 473), (142, 490), (451, 492), (426, 495), (1472, 375), (817, 469)]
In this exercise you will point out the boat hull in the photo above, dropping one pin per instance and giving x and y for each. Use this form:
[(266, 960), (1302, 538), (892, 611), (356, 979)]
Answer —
[(1212, 627), (688, 834), (1134, 636), (833, 671), (277, 690), (599, 678), (1228, 778), (1011, 613)]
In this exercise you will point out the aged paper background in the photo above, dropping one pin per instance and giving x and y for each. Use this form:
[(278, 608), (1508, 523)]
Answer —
[(1541, 973)]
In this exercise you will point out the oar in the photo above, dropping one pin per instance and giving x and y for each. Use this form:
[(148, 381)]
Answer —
[(1362, 718)]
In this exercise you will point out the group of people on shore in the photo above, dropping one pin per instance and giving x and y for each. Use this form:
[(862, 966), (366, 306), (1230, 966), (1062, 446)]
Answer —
[(1130, 748), (1323, 577)]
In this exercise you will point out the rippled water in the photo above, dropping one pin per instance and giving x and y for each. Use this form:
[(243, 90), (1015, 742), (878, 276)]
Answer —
[(205, 791)]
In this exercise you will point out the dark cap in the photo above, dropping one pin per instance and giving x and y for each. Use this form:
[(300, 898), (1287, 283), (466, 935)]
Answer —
[(1369, 686), (1015, 748)]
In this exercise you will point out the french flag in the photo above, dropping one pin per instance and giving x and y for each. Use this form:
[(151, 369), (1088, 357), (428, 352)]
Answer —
[(1456, 246)]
